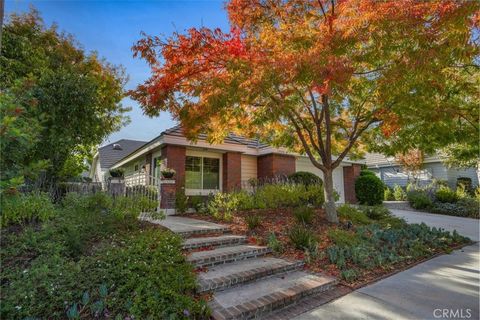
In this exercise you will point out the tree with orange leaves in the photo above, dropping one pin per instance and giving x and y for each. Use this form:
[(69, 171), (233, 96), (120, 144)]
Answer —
[(319, 77), (412, 162)]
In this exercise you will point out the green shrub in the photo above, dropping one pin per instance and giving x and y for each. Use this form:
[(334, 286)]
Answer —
[(25, 208), (364, 173), (181, 201), (399, 194), (253, 221), (301, 237), (314, 196), (269, 196), (461, 193), (305, 178), (95, 264), (375, 212), (445, 194), (392, 222), (465, 183), (419, 200), (223, 205), (349, 275), (245, 201), (465, 207), (304, 215), (352, 214), (471, 207), (388, 194), (343, 238), (373, 246), (369, 189), (273, 243), (198, 203)]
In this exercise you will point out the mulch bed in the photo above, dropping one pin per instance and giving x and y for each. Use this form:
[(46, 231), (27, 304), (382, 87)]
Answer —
[(280, 221)]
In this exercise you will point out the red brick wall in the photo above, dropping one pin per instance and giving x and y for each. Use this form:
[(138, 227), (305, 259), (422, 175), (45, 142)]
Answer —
[(232, 172), (167, 195), (175, 156), (350, 174), (271, 165)]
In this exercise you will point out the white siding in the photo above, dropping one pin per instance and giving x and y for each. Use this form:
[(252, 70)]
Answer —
[(304, 164), (249, 167), (394, 175), (454, 173)]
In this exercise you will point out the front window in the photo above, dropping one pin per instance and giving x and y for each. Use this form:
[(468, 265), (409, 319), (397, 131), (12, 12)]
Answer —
[(202, 173)]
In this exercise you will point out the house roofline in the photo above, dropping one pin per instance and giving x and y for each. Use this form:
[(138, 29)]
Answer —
[(396, 164), (165, 138)]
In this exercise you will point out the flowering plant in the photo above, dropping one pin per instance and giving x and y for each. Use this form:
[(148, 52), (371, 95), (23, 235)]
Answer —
[(168, 173)]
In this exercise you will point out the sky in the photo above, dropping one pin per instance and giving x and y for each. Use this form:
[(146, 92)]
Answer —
[(112, 27)]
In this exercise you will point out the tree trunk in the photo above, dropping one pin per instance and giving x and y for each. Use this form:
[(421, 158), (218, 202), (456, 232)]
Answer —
[(330, 208)]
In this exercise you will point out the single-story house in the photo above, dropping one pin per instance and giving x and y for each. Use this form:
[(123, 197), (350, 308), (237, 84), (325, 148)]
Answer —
[(108, 155), (203, 168), (392, 173)]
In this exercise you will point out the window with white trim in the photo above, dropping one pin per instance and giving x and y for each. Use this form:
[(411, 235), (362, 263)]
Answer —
[(202, 173)]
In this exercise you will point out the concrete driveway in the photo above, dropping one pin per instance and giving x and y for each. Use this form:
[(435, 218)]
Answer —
[(446, 287)]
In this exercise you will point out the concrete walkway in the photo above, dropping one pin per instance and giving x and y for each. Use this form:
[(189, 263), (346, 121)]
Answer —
[(448, 283), (186, 226)]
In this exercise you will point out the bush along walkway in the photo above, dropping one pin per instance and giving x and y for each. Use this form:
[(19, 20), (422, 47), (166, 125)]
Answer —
[(246, 282)]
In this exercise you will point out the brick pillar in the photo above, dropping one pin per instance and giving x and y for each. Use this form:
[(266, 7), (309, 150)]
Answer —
[(175, 156), (272, 165), (167, 194), (350, 174), (232, 172)]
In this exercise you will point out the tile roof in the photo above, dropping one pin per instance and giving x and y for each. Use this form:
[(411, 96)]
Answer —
[(109, 155)]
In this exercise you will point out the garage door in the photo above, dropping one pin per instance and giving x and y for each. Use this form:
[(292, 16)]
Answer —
[(304, 164)]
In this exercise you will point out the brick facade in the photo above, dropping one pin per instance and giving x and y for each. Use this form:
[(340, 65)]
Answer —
[(350, 174), (175, 156), (271, 165), (232, 172), (167, 195)]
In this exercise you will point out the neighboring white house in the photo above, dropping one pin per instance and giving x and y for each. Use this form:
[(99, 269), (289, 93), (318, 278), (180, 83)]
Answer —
[(202, 168), (391, 173), (107, 155)]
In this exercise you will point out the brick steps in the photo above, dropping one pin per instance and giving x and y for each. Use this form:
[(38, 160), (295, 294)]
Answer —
[(263, 296), (237, 273), (220, 241), (226, 255), (217, 231), (307, 303), (246, 282)]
